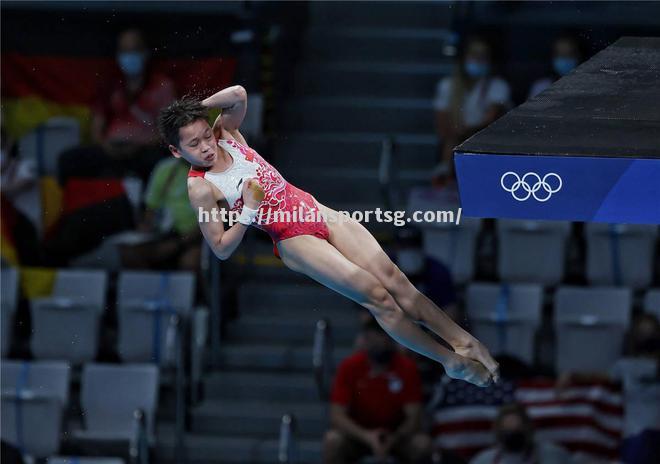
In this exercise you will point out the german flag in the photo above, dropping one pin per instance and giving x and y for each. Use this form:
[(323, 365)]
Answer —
[(36, 88), (54, 63)]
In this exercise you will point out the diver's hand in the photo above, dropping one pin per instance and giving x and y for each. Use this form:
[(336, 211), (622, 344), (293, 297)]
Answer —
[(253, 193)]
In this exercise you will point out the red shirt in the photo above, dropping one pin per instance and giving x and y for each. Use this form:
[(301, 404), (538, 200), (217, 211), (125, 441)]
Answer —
[(135, 121), (376, 401)]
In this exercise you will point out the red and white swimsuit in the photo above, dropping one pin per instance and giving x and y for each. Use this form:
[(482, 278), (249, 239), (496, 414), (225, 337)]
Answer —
[(279, 195)]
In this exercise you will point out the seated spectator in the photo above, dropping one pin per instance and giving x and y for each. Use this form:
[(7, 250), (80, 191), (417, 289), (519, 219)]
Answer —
[(170, 221), (123, 125), (438, 285), (125, 143), (376, 405), (469, 100), (409, 256), (639, 374), (566, 56), (431, 273), (516, 443), (10, 454), (21, 206)]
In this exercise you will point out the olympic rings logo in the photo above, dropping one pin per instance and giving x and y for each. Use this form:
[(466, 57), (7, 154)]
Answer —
[(531, 184)]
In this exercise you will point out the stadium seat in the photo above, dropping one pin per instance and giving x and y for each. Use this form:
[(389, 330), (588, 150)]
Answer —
[(66, 324), (620, 254), (505, 317), (42, 378), (81, 460), (455, 246), (652, 302), (8, 303), (532, 251), (451, 244), (590, 324), (110, 395), (146, 301), (46, 142), (41, 148), (134, 191), (34, 396), (32, 423)]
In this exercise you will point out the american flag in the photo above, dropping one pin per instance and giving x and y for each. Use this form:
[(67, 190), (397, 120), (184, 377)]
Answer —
[(586, 419)]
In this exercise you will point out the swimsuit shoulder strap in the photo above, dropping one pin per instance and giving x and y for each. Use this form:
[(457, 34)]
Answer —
[(196, 172)]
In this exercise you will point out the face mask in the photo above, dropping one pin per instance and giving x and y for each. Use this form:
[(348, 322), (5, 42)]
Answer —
[(477, 69), (514, 441), (381, 356), (563, 65), (132, 63)]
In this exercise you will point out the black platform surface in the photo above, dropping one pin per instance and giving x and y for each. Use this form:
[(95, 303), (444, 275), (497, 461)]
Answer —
[(585, 149), (608, 106)]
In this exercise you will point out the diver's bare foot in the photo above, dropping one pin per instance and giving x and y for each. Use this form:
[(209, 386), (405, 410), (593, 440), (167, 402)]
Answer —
[(462, 368), (474, 349)]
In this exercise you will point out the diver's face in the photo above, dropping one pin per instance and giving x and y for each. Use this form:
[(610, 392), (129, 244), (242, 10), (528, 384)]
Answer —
[(197, 145)]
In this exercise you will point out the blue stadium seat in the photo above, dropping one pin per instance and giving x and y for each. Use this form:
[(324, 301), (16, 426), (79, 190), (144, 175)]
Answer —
[(620, 254), (110, 395), (590, 324), (532, 251), (34, 396), (505, 317), (145, 303), (66, 324)]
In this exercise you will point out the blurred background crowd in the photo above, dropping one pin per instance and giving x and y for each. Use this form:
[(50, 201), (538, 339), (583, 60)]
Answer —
[(122, 336)]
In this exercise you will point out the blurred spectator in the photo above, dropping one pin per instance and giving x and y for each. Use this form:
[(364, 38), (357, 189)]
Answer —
[(10, 454), (566, 56), (434, 276), (438, 285), (125, 121), (170, 222), (126, 143), (469, 100), (376, 405), (21, 205), (409, 253), (644, 337), (639, 374), (516, 444), (123, 125)]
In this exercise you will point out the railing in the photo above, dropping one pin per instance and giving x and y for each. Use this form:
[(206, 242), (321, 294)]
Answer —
[(215, 306), (139, 444), (199, 336), (322, 361), (286, 453), (175, 361), (386, 173)]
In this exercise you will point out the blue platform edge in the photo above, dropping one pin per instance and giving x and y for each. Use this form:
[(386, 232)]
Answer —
[(577, 188)]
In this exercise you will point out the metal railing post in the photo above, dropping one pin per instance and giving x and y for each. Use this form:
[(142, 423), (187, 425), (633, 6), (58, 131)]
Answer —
[(139, 445), (385, 172), (286, 448), (179, 450), (216, 308), (322, 357)]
